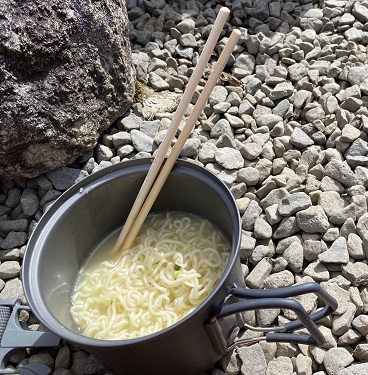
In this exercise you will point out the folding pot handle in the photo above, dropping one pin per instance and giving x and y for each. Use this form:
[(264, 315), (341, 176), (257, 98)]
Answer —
[(271, 299), (292, 291), (13, 336)]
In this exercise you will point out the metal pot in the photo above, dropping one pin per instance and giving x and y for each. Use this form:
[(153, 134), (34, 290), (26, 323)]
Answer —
[(94, 208)]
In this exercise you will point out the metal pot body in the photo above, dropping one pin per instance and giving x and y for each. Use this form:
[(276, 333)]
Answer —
[(89, 212)]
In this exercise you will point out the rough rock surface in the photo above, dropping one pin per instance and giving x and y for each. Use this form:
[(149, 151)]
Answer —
[(302, 67), (65, 76)]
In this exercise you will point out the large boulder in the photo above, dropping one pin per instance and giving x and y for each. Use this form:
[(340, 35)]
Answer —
[(66, 75)]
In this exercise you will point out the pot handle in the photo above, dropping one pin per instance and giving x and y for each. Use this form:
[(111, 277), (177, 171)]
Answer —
[(271, 299), (13, 336)]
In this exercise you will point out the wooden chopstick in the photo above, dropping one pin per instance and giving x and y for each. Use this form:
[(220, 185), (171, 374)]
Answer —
[(178, 115), (170, 161)]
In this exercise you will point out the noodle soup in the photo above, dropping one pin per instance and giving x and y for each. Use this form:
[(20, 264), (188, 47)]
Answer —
[(174, 264)]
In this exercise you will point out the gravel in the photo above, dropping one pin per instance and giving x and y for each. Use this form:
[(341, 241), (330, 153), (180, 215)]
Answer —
[(287, 133)]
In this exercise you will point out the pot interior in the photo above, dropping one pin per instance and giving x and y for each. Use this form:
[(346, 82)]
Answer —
[(97, 206)]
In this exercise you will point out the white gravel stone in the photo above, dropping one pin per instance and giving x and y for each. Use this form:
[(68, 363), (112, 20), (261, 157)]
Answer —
[(337, 253), (229, 158), (258, 275), (312, 220), (253, 359), (336, 359)]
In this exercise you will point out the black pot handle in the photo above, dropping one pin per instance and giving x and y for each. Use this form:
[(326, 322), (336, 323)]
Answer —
[(13, 336), (272, 299)]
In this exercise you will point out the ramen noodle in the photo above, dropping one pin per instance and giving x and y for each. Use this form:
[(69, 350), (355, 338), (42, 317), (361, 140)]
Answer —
[(175, 262)]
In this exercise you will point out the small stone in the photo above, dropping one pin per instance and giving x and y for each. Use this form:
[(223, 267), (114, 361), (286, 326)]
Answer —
[(342, 296), (142, 142), (294, 256), (29, 201), (65, 177), (303, 365), (331, 202), (229, 158), (93, 366), (312, 249), (361, 352), (350, 337), (331, 235), (317, 271), (279, 280), (336, 359), (20, 225), (250, 215), (14, 239), (79, 360), (43, 358), (269, 120), (262, 230), (280, 366), (356, 272), (231, 363), (360, 323), (330, 184), (339, 218), (9, 269), (316, 113), (274, 197), (218, 95), (191, 147), (13, 198), (249, 175), (252, 151), (281, 90), (287, 227), (247, 246), (11, 289), (272, 214), (312, 220), (156, 82), (253, 359), (300, 139), (341, 323), (340, 172), (349, 133), (362, 231), (293, 203), (63, 358), (259, 274), (337, 253)]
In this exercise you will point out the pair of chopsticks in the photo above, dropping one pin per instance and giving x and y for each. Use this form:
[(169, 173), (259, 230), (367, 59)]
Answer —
[(160, 168)]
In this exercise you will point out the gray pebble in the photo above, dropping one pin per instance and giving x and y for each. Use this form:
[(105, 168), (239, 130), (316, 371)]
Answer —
[(253, 359), (312, 220), (14, 239), (336, 253), (65, 177), (249, 175), (29, 201), (13, 197), (356, 272), (336, 359), (293, 203), (12, 289), (342, 323), (286, 228), (262, 230), (259, 274), (9, 269), (229, 158)]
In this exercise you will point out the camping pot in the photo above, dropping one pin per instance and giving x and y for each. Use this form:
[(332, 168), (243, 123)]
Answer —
[(97, 206)]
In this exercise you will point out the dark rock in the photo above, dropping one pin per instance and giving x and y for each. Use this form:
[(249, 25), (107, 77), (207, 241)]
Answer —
[(65, 75)]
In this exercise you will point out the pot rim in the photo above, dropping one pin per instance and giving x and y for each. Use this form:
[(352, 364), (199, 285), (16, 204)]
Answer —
[(30, 262)]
